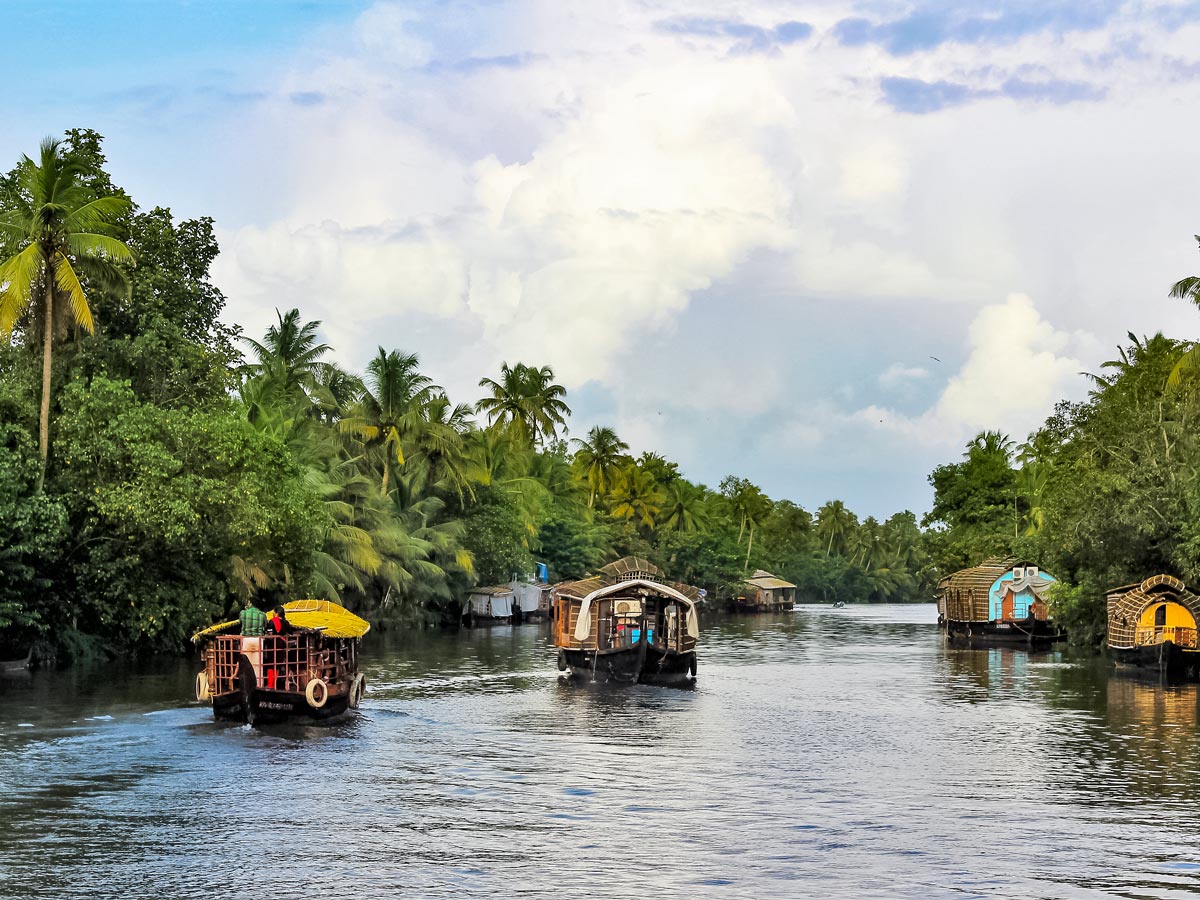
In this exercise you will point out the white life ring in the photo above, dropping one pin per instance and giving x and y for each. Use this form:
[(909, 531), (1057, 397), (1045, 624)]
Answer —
[(358, 687), (316, 693), (203, 694)]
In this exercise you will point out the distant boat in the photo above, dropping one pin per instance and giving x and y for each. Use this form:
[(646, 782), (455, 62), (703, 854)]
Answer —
[(999, 601), (310, 671), (1152, 626), (489, 606), (839, 604), (764, 592), (626, 625)]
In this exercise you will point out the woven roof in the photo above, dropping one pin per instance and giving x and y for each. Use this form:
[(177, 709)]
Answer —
[(492, 591), (1126, 605), (333, 620), (631, 565), (965, 592), (621, 570)]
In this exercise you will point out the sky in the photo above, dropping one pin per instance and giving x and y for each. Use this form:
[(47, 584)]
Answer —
[(813, 243)]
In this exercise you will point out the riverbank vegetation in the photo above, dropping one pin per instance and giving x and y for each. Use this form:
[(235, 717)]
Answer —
[(157, 466)]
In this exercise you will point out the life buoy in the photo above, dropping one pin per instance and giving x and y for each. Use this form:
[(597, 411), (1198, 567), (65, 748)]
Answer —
[(203, 694), (562, 661), (357, 688), (316, 692)]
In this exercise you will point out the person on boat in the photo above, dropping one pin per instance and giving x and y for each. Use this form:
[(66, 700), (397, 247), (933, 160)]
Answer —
[(277, 622), (253, 621)]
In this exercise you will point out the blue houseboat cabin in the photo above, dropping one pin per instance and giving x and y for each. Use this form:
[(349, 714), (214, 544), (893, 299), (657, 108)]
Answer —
[(1001, 600)]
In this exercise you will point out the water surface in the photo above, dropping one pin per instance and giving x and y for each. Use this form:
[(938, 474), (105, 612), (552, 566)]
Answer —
[(822, 754)]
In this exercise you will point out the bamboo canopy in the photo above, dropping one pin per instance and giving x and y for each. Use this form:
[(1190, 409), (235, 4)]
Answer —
[(318, 615)]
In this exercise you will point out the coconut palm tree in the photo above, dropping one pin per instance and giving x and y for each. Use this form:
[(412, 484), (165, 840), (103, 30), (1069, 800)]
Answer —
[(835, 524), (289, 365), (526, 399), (636, 496), (1189, 363), (392, 407), (599, 457), (66, 235), (683, 509)]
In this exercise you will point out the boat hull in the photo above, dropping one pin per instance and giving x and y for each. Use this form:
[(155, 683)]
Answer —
[(1039, 633), (642, 664), (266, 706), (1167, 660)]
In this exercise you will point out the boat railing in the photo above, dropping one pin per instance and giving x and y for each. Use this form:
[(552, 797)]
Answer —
[(1179, 635), (280, 662)]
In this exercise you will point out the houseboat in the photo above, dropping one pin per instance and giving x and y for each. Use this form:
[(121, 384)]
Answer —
[(999, 601), (309, 671), (764, 592), (1152, 627), (488, 606), (531, 601), (627, 624)]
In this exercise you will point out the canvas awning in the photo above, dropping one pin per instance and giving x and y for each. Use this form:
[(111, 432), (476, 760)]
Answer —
[(583, 626)]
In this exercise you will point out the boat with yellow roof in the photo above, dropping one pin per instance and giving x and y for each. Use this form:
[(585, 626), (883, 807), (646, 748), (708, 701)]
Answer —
[(309, 669)]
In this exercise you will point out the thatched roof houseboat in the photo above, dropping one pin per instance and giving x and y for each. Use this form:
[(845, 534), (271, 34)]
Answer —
[(1152, 626), (764, 592), (1000, 601), (626, 624)]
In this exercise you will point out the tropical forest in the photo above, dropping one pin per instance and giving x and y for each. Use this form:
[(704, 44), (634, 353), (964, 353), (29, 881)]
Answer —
[(158, 466)]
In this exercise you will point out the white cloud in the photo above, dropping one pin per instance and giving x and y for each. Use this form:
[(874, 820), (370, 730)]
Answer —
[(897, 374)]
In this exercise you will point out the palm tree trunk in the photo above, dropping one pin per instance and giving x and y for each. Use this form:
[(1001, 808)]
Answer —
[(47, 341), (749, 544)]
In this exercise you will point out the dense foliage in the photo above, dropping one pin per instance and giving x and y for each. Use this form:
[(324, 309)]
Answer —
[(189, 466)]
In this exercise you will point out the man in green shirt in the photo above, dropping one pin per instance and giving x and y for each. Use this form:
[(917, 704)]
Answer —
[(253, 619)]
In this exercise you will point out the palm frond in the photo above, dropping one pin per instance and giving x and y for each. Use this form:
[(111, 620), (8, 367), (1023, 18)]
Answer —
[(68, 282), (19, 276)]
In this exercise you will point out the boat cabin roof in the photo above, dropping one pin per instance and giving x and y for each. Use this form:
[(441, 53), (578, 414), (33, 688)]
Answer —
[(767, 581), (492, 591)]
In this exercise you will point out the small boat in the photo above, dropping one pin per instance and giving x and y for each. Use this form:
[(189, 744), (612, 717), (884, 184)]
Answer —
[(626, 625), (1152, 627), (1000, 601), (839, 604), (764, 592), (309, 671)]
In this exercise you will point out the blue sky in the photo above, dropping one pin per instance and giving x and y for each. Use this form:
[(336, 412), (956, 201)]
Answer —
[(817, 244)]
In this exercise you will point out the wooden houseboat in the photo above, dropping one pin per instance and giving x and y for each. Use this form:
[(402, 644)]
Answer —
[(999, 601), (488, 606), (764, 592), (627, 624), (1152, 626), (310, 670)]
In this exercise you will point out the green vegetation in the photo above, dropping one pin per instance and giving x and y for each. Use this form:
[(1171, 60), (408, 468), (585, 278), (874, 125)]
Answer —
[(1106, 493), (156, 466)]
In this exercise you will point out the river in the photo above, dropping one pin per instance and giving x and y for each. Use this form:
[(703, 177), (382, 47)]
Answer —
[(822, 754)]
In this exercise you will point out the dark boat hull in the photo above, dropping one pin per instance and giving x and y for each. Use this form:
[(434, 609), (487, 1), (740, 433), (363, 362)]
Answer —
[(1167, 660), (264, 706), (642, 664), (1037, 633)]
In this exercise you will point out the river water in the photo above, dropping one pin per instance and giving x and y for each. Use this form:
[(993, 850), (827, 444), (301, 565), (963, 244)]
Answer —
[(822, 754)]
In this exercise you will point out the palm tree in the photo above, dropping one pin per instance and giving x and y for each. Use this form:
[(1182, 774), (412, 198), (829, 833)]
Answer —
[(683, 509), (392, 406), (599, 456), (636, 496), (289, 364), (63, 231), (526, 399), (835, 524)]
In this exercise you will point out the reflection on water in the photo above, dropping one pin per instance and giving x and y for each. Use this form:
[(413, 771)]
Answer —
[(822, 753)]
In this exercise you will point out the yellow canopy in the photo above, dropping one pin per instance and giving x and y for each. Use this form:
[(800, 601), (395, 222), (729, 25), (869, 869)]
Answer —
[(333, 620)]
